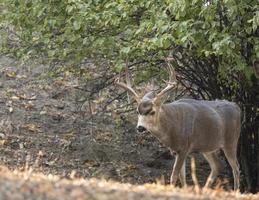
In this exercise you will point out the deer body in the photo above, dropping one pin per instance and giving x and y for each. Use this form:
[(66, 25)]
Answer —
[(200, 126), (189, 125)]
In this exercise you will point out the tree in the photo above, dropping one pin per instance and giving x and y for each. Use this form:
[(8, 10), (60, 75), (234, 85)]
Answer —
[(214, 45)]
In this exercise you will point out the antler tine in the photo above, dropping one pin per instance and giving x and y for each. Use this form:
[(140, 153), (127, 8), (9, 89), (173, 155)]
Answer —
[(128, 81), (127, 86), (172, 74), (170, 84)]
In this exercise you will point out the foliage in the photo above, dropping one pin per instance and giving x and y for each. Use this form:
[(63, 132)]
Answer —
[(73, 30)]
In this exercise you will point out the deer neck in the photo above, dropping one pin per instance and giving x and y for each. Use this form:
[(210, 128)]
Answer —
[(163, 127)]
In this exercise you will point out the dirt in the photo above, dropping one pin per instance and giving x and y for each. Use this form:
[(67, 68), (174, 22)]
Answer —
[(53, 126)]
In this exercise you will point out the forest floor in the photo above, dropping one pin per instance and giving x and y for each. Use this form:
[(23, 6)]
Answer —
[(54, 126)]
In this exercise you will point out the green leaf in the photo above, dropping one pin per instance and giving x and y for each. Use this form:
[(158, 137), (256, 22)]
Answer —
[(125, 50), (76, 25), (119, 66)]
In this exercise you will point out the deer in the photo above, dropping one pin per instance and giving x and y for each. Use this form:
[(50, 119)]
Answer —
[(188, 125)]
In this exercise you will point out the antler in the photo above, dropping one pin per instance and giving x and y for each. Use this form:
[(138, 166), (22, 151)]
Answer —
[(170, 84), (127, 86)]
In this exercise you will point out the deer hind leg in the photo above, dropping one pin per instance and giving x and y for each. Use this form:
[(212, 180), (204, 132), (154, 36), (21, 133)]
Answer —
[(215, 166), (182, 175), (231, 156)]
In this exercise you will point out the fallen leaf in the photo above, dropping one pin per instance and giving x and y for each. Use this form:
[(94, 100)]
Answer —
[(28, 105), (10, 109), (21, 76), (15, 98), (60, 82), (91, 163), (104, 136), (21, 145), (131, 167), (2, 135), (2, 142), (69, 136), (41, 154), (31, 127), (11, 74), (43, 112), (24, 97)]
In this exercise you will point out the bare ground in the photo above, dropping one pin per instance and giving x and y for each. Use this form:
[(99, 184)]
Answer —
[(54, 127)]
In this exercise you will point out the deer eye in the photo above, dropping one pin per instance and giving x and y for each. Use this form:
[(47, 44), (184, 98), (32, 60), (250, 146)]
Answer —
[(152, 112)]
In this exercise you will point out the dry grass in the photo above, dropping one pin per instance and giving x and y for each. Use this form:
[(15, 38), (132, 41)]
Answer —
[(25, 185)]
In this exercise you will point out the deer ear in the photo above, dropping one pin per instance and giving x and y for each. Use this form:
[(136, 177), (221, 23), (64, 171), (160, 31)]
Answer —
[(164, 98), (149, 95), (160, 100)]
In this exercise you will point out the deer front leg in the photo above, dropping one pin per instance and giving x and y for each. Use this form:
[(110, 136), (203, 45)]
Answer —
[(183, 175), (179, 161)]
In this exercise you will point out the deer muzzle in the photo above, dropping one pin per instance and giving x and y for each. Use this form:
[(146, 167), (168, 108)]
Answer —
[(141, 129)]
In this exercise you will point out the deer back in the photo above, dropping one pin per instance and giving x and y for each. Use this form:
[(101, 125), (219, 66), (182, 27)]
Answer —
[(195, 125)]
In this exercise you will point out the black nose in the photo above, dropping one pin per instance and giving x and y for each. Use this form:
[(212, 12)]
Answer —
[(141, 129)]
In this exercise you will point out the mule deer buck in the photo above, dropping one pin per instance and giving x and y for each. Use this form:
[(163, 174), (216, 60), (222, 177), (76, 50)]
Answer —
[(189, 125)]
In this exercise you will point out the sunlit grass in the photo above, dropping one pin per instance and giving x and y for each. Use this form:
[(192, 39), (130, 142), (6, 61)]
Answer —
[(24, 183)]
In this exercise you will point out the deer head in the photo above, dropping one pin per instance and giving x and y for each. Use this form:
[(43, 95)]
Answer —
[(149, 105)]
